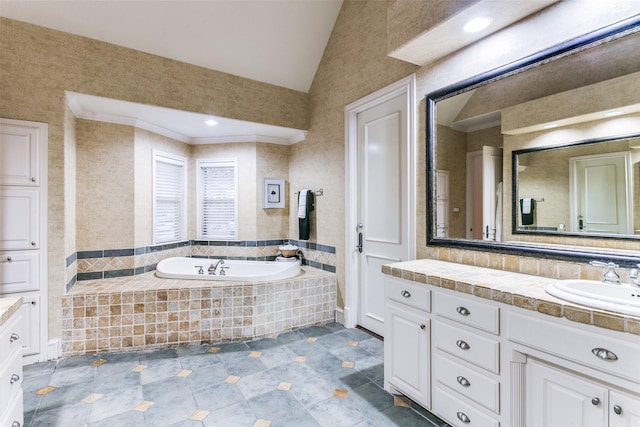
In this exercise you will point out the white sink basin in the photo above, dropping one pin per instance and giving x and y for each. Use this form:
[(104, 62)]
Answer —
[(624, 299)]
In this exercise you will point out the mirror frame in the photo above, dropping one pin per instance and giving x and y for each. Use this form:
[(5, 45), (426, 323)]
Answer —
[(514, 189), (558, 252)]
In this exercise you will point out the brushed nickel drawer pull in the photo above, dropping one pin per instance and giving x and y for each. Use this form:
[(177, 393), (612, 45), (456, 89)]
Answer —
[(463, 345), (463, 311), (422, 326), (604, 354), (595, 401), (9, 259), (463, 381), (406, 294), (463, 417), (14, 378), (16, 424), (33, 179), (617, 409), (14, 337)]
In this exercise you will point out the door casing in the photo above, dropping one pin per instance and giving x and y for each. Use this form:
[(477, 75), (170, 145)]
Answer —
[(349, 315)]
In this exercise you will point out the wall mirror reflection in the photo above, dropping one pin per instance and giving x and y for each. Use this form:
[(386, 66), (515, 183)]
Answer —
[(549, 148)]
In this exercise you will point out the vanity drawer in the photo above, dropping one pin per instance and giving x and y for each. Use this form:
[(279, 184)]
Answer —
[(468, 311), (14, 412), (577, 345), (468, 345), (10, 339), (459, 413), (468, 382), (10, 378), (409, 293)]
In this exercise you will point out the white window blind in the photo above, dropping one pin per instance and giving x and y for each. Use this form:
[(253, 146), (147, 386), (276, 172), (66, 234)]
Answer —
[(169, 220), (218, 199)]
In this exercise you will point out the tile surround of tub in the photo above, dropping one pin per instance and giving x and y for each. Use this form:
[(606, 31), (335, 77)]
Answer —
[(144, 312), (100, 264)]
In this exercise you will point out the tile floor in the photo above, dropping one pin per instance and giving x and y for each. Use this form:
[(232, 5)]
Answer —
[(317, 376)]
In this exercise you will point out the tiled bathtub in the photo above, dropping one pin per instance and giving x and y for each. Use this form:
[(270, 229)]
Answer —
[(144, 312)]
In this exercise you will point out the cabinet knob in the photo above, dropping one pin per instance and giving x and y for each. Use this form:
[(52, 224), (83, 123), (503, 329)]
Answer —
[(33, 243), (463, 345), (604, 354), (9, 259), (463, 381), (15, 424), (406, 294), (33, 179), (422, 326), (463, 311), (595, 401), (14, 378), (617, 409), (14, 337), (463, 417)]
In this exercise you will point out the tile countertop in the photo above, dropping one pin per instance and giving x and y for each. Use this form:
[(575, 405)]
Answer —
[(8, 306), (521, 290)]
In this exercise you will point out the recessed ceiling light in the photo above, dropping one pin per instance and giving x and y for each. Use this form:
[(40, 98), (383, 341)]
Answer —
[(612, 113), (210, 122), (477, 24)]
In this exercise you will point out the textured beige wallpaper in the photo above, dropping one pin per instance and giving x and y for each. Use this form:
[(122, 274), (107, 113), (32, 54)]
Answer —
[(105, 185), (272, 161)]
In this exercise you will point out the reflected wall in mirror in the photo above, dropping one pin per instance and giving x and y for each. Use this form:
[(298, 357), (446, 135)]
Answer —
[(543, 115), (588, 188)]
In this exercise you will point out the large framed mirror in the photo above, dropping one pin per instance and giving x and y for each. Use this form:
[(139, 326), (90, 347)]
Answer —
[(542, 155)]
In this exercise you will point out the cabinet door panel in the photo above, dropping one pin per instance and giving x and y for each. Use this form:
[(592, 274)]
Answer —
[(19, 155), (558, 399), (628, 407), (407, 336), (19, 210), (29, 329), (19, 272)]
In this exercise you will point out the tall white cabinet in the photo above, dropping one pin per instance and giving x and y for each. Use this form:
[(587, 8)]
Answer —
[(23, 228)]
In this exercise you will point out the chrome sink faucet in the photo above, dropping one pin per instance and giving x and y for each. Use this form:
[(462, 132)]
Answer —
[(610, 276), (212, 268), (634, 275)]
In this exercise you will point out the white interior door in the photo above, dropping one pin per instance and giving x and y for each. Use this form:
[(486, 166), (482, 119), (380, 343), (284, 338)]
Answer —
[(600, 194), (484, 172), (491, 176), (382, 228)]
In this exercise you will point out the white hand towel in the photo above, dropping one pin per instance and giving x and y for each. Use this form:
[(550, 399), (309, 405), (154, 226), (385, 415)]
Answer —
[(526, 206), (302, 204)]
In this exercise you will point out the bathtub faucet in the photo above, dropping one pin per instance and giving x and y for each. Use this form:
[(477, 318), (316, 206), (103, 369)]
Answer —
[(213, 267)]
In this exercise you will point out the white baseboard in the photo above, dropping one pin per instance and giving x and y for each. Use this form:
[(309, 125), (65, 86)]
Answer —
[(340, 315), (53, 349)]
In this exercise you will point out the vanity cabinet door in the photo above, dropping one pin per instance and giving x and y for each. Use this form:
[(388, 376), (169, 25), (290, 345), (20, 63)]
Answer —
[(407, 352), (558, 399), (624, 410)]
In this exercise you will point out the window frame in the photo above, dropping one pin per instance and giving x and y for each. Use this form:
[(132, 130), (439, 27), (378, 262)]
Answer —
[(159, 156), (213, 162)]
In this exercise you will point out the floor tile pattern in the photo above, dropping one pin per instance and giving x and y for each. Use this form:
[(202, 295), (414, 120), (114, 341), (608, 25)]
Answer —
[(316, 376)]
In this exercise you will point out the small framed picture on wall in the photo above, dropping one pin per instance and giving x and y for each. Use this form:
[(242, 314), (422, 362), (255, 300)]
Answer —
[(273, 193)]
